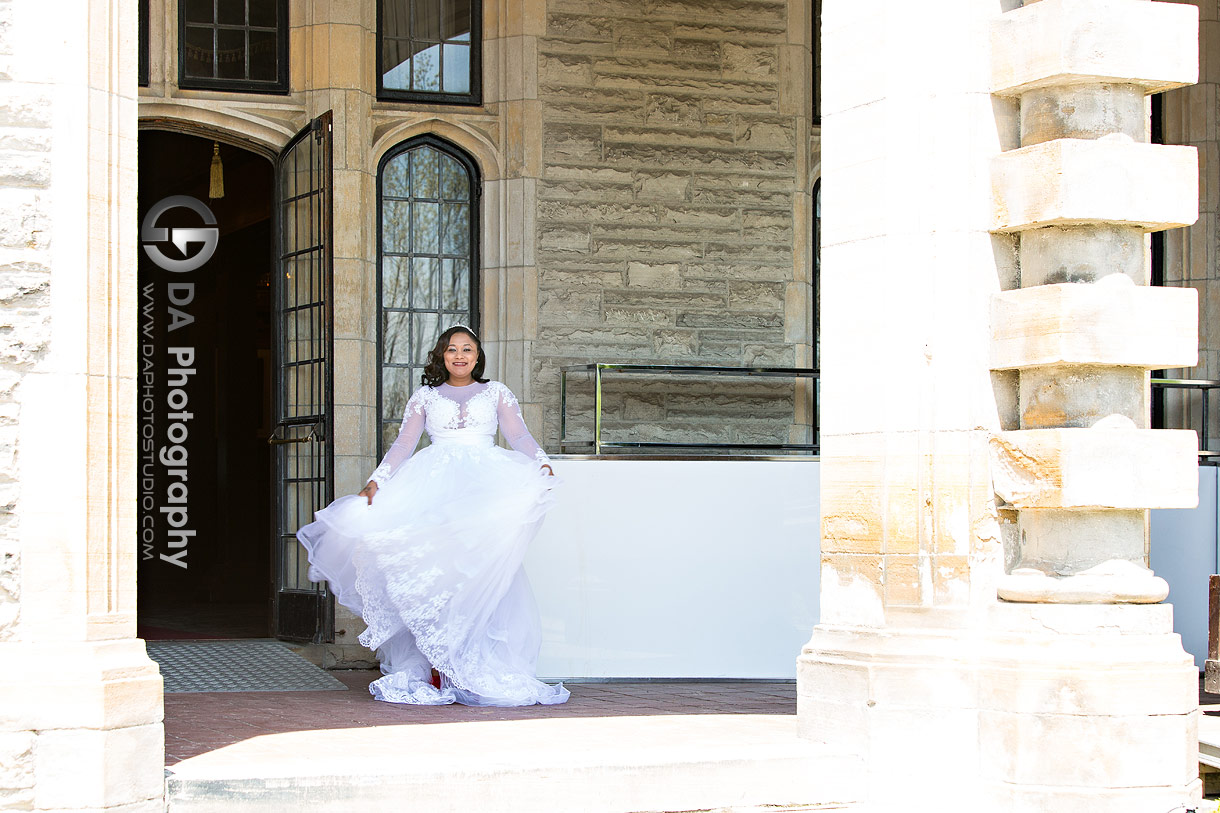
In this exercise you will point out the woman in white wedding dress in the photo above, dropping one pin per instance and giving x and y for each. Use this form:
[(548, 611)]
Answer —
[(429, 553)]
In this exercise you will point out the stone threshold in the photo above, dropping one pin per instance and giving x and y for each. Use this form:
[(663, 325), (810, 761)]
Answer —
[(700, 762)]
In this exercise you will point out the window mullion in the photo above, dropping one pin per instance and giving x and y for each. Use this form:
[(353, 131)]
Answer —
[(261, 66), (421, 26)]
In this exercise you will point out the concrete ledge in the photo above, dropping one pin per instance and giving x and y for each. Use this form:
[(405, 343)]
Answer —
[(1071, 181), (1112, 322), (1066, 42), (1097, 468), (600, 765)]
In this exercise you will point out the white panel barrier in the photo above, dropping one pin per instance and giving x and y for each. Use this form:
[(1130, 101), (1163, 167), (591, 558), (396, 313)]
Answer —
[(1183, 551), (678, 569)]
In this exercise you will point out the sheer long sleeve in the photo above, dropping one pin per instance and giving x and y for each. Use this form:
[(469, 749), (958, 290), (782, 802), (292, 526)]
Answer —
[(513, 427), (404, 445)]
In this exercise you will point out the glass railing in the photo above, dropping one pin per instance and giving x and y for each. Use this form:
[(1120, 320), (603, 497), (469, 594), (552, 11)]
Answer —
[(1193, 397), (598, 444)]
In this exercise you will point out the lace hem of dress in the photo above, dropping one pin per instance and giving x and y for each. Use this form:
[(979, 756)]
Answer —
[(401, 687), (440, 642)]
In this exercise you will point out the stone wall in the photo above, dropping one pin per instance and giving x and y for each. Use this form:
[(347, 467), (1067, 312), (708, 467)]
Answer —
[(673, 217), (25, 142), (1192, 254), (25, 138)]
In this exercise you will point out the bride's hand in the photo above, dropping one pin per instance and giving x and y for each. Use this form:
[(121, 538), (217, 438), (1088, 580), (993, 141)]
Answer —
[(369, 490), (549, 471)]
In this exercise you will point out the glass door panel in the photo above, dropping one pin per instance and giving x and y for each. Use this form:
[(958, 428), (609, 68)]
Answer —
[(303, 458)]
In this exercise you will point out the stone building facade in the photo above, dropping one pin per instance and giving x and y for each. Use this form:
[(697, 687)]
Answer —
[(644, 177), (647, 174), (1187, 116), (647, 169)]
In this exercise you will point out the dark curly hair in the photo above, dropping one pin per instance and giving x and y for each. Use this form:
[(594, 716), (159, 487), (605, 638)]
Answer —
[(435, 373)]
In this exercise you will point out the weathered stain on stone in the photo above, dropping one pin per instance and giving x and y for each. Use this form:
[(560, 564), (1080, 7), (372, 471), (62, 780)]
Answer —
[(841, 528), (17, 761), (1014, 471), (10, 581)]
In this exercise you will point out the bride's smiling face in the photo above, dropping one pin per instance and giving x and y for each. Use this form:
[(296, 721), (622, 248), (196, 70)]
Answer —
[(460, 358)]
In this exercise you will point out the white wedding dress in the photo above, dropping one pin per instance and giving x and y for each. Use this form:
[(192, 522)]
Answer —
[(434, 564)]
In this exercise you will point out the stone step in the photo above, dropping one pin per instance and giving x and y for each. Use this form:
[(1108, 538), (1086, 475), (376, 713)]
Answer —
[(723, 762)]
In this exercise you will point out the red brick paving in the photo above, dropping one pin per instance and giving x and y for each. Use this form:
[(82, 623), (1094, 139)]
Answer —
[(200, 722)]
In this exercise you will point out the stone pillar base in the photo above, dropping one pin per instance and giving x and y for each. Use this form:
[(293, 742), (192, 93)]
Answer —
[(1114, 582), (1051, 707), (1211, 676), (81, 727)]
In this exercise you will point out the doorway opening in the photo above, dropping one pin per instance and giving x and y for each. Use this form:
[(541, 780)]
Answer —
[(204, 406)]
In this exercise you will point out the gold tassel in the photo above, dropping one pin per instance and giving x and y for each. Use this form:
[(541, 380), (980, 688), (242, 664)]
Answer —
[(216, 189)]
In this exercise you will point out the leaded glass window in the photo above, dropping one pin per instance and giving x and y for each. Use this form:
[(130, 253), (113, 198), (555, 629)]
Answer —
[(429, 50), (428, 263), (237, 45)]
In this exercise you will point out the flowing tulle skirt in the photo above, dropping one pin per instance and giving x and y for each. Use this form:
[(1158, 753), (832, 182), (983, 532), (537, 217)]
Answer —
[(434, 568)]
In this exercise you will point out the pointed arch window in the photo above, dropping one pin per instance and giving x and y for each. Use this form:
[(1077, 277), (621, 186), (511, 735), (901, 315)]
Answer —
[(427, 263), (429, 51)]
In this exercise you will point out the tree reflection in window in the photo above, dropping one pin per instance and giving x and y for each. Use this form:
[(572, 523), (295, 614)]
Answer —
[(429, 50), (428, 264)]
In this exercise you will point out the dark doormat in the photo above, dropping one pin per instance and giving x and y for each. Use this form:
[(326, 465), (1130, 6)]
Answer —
[(237, 666)]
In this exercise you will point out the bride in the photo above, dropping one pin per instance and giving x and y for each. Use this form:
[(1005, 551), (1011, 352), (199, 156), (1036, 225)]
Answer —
[(430, 551)]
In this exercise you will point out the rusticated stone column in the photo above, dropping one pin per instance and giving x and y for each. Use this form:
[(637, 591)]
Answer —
[(1084, 328), (1086, 653), (983, 241)]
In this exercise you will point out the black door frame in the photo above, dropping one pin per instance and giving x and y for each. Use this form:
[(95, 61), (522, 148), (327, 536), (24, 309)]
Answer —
[(303, 613)]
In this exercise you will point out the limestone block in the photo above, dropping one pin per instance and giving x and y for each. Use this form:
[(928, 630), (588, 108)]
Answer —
[(1211, 676), (1065, 542), (83, 768), (1103, 624), (1117, 581), (17, 769), (1067, 42), (1082, 111), (1081, 254), (1081, 395), (1101, 467), (1072, 685), (1107, 180), (10, 589), (112, 684), (1113, 322), (1016, 748), (828, 700), (998, 795)]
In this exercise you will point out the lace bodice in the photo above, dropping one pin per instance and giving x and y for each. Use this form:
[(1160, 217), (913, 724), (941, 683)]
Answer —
[(446, 411)]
